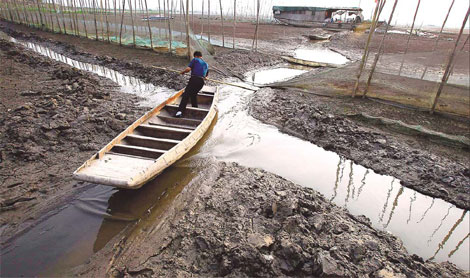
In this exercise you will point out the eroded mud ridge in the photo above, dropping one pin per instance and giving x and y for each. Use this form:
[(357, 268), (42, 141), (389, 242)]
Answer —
[(308, 117), (246, 222), (53, 117)]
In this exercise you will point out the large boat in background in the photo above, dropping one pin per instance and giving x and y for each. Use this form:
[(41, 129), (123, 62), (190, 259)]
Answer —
[(322, 17)]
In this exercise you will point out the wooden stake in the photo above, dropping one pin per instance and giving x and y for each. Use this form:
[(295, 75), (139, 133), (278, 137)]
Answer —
[(94, 19), (209, 20), (445, 77), (170, 13), (366, 49), (188, 43), (202, 19), (106, 18), (234, 21), (148, 22), (40, 15), (380, 50), (254, 45), (439, 36), (409, 37), (122, 20), (80, 2), (222, 20), (132, 21)]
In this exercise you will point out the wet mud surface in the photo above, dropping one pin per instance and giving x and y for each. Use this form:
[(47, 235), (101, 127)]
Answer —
[(53, 117), (244, 222), (443, 174)]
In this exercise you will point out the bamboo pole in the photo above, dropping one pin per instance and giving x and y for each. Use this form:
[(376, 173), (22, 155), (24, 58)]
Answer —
[(382, 42), (75, 13), (222, 20), (169, 23), (20, 19), (366, 49), (40, 14), (234, 21), (188, 44), (57, 16), (409, 37), (148, 22), (9, 11), (202, 19), (132, 21), (209, 19), (445, 77), (181, 9), (94, 19), (61, 8), (80, 2), (26, 13), (159, 27), (254, 45), (438, 36), (122, 20), (212, 80), (192, 15), (106, 18)]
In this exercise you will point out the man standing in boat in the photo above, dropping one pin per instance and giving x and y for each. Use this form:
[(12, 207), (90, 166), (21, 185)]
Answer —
[(199, 71)]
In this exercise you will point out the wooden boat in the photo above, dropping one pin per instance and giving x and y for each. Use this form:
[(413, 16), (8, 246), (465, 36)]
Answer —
[(151, 144)]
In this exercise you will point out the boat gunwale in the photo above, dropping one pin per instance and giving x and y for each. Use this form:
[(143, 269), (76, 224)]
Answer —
[(147, 174)]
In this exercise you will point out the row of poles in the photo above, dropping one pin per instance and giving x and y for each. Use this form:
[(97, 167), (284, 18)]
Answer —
[(106, 19), (448, 65)]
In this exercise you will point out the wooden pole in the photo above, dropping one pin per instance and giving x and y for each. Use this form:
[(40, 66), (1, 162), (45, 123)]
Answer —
[(169, 23), (75, 16), (57, 16), (234, 21), (40, 14), (382, 42), (83, 17), (409, 37), (106, 18), (202, 19), (26, 13), (254, 45), (94, 19), (188, 43), (222, 20), (209, 20), (148, 23), (445, 77), (439, 36), (366, 49), (122, 21), (132, 21), (61, 9), (115, 18)]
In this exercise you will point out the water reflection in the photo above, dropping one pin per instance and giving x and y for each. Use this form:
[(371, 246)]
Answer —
[(310, 166), (151, 94)]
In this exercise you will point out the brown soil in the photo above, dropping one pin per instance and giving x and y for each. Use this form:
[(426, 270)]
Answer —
[(53, 118)]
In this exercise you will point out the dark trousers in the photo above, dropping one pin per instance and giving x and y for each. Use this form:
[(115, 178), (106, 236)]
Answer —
[(195, 84)]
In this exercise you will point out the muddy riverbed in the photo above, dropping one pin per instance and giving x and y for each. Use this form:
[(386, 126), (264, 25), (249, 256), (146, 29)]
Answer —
[(259, 217)]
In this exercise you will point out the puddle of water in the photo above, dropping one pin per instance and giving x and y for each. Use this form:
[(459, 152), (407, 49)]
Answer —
[(269, 76), (320, 55), (431, 228)]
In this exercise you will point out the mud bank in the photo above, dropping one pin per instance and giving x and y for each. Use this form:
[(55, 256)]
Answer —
[(244, 222), (226, 62), (323, 121), (53, 117)]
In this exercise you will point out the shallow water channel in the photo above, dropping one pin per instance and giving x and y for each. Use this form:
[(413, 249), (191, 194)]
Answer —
[(429, 227)]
